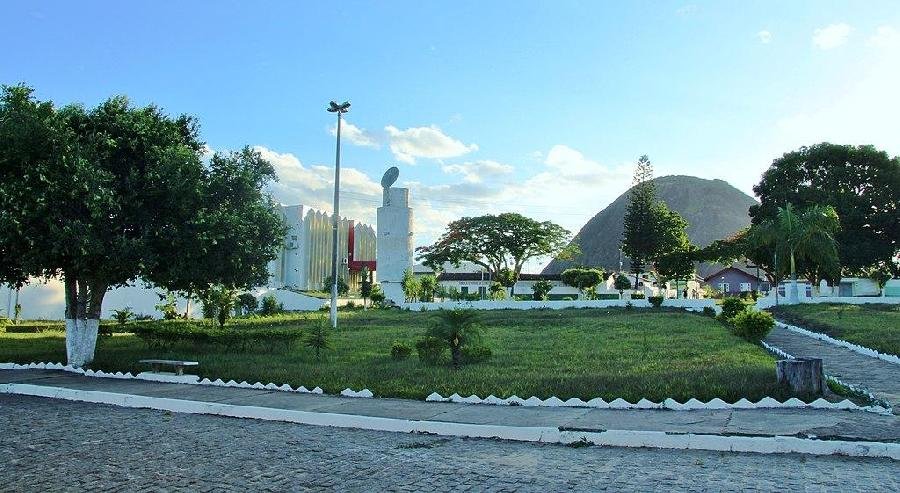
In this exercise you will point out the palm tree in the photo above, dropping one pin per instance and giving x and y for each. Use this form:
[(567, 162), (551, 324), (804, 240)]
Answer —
[(806, 234), (457, 328)]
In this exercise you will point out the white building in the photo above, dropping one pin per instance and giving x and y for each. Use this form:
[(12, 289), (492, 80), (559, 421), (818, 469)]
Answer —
[(304, 262)]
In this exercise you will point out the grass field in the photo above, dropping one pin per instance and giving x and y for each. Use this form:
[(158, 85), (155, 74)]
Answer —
[(870, 325), (568, 353)]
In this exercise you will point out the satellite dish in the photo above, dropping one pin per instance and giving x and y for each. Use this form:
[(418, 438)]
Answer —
[(390, 176)]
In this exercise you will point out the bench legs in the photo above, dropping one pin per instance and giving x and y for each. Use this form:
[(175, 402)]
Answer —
[(179, 370)]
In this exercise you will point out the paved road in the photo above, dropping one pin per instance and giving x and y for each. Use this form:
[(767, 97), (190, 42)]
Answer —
[(878, 376), (51, 445)]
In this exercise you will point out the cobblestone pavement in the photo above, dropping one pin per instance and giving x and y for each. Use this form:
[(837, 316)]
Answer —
[(879, 377), (51, 445)]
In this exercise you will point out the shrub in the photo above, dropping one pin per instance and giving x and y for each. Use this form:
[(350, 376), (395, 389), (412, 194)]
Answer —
[(270, 306), (430, 350), (456, 328), (123, 316), (637, 296), (541, 289), (476, 353), (247, 303), (343, 287), (628, 306), (753, 325), (656, 301), (497, 291), (377, 295), (731, 306), (400, 350), (709, 311)]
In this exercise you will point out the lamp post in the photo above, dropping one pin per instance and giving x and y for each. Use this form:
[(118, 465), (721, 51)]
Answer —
[(340, 109)]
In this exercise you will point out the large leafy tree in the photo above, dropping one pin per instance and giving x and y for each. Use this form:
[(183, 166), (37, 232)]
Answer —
[(103, 197), (499, 243), (861, 183), (801, 235), (582, 278)]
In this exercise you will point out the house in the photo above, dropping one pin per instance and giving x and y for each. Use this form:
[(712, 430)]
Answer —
[(738, 278)]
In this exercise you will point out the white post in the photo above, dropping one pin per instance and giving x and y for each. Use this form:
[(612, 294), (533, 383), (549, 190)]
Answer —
[(335, 222)]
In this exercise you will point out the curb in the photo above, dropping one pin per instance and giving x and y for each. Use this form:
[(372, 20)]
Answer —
[(619, 403), (873, 353), (617, 438)]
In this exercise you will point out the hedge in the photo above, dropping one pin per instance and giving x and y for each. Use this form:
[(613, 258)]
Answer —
[(165, 334)]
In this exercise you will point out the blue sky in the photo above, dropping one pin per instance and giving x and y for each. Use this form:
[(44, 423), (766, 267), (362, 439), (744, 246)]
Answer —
[(539, 108)]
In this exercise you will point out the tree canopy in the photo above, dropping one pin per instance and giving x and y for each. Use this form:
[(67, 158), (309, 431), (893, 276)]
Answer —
[(582, 278), (861, 183), (499, 243), (105, 196)]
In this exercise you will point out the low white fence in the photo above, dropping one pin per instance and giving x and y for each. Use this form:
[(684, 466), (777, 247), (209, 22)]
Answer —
[(850, 300), (696, 305)]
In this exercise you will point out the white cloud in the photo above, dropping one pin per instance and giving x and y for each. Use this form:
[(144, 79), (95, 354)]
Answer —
[(314, 186), (356, 136), (427, 142), (765, 37), (476, 171), (885, 37), (831, 36)]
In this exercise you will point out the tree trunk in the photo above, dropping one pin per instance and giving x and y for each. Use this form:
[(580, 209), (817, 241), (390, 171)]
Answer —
[(83, 307), (803, 375), (456, 355), (793, 296)]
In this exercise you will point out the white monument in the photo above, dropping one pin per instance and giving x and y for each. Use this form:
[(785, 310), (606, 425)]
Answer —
[(394, 247)]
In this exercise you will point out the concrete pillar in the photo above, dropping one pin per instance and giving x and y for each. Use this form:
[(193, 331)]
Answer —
[(394, 248)]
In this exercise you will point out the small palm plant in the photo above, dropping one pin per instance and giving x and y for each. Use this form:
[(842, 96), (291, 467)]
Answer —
[(123, 316), (457, 328), (807, 234)]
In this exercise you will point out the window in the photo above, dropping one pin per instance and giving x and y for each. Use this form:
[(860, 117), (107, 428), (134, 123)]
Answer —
[(482, 292), (464, 290), (724, 287), (746, 286)]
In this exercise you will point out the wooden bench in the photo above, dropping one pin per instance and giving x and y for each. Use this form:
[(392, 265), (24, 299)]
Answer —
[(178, 365)]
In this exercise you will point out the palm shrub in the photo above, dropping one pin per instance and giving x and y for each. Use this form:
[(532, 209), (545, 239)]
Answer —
[(122, 316), (753, 325), (456, 328), (498, 291), (411, 286), (318, 336), (427, 287), (430, 350), (656, 301)]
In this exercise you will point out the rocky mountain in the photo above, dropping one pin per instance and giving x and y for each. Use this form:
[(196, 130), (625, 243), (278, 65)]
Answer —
[(713, 209)]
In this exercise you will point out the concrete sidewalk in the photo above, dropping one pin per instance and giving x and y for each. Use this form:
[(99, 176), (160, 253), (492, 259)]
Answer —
[(804, 423)]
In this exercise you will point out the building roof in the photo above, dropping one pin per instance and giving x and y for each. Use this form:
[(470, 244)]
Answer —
[(478, 276), (741, 267)]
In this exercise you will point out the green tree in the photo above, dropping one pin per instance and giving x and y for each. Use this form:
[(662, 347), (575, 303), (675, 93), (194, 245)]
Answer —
[(167, 305), (806, 235), (318, 336), (621, 283), (377, 295), (582, 278), (861, 183), (247, 303), (343, 287), (497, 291), (105, 197), (411, 286), (677, 266), (639, 226), (427, 287), (365, 285), (122, 316), (541, 289), (498, 243), (457, 328)]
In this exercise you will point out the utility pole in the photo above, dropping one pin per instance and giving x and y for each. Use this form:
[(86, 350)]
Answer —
[(340, 109)]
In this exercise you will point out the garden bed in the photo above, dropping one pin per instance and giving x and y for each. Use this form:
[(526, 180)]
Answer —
[(874, 326), (607, 353)]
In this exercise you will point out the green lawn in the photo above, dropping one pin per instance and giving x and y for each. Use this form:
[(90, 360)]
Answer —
[(870, 325), (568, 353)]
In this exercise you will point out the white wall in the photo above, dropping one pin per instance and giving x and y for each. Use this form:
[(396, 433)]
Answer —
[(692, 305)]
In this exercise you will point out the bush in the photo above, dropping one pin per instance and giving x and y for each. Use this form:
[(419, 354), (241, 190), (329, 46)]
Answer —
[(476, 353), (656, 301), (637, 296), (731, 306), (247, 303), (400, 350), (431, 350), (541, 289), (709, 311), (377, 296), (753, 325), (270, 306)]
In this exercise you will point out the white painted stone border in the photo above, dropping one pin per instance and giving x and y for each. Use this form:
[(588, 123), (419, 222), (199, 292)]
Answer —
[(890, 358), (546, 434), (533, 401), (693, 305)]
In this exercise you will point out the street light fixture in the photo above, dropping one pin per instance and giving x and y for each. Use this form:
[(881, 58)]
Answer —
[(340, 109)]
